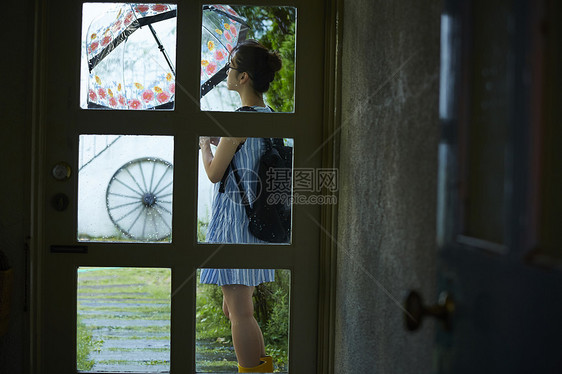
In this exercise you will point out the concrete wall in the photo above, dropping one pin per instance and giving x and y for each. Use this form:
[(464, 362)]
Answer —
[(388, 183), (15, 120)]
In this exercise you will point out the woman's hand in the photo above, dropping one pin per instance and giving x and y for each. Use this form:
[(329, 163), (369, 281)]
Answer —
[(215, 165), (204, 142)]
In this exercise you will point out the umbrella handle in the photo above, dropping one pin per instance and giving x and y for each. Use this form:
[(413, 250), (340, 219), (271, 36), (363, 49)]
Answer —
[(213, 81), (162, 49)]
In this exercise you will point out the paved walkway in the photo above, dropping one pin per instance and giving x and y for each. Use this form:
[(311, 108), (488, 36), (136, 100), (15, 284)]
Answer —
[(134, 330)]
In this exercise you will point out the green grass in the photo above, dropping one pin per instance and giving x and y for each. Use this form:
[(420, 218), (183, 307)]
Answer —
[(138, 349), (147, 309), (217, 366), (145, 329), (128, 362), (144, 316), (136, 337), (85, 344)]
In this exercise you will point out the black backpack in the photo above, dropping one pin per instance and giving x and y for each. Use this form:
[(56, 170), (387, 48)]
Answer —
[(270, 212)]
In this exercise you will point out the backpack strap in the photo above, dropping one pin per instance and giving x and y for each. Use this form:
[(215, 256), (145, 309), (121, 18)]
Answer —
[(268, 144), (246, 109), (243, 194), (223, 180), (228, 168), (250, 109)]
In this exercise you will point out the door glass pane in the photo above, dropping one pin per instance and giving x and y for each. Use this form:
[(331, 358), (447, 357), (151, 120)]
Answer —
[(125, 185), (261, 188), (487, 135), (224, 28), (123, 319), (214, 352), (128, 56)]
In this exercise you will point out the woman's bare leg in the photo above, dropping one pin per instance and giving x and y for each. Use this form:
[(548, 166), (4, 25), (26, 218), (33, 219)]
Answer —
[(227, 314), (246, 333)]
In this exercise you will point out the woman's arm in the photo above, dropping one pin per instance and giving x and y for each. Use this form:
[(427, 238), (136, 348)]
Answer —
[(215, 165)]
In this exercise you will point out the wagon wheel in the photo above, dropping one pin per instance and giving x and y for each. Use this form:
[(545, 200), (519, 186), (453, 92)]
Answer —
[(139, 199)]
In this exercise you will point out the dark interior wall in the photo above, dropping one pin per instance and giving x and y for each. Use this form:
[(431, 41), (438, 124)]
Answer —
[(16, 67), (388, 168)]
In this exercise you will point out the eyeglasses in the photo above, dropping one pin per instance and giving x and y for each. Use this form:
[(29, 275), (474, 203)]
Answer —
[(228, 67)]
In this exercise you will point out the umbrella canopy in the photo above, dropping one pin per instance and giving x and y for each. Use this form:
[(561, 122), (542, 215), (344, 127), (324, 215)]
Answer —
[(131, 53), (222, 29)]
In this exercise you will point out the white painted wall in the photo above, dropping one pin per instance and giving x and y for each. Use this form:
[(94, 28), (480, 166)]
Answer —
[(94, 177)]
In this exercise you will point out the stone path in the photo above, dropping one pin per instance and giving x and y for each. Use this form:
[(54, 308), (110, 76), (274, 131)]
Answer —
[(134, 329)]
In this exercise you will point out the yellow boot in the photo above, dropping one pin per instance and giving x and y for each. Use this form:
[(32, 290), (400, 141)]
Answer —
[(268, 364), (264, 367)]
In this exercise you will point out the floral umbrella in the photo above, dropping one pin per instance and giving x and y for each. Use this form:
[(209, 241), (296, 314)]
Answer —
[(222, 29), (130, 51)]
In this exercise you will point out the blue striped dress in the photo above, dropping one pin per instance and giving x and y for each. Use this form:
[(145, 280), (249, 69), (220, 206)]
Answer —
[(229, 222)]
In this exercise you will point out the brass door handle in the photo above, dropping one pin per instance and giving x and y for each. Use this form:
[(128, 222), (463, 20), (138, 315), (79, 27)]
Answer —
[(415, 311)]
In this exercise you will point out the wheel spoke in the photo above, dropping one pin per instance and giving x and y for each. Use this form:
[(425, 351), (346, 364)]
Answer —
[(143, 179), (117, 180), (161, 179), (166, 195), (144, 227), (128, 214), (164, 209), (135, 180), (152, 176), (121, 195), (155, 227), (122, 205), (136, 219), (135, 211), (163, 188), (163, 220)]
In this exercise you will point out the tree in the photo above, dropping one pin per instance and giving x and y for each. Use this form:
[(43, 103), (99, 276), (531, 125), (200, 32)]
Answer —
[(274, 27)]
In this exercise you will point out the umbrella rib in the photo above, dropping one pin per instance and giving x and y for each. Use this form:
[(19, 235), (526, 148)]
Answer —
[(94, 61), (162, 49), (134, 26), (232, 17), (217, 39)]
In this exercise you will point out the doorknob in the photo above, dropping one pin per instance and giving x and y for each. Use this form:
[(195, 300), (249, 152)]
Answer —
[(415, 311)]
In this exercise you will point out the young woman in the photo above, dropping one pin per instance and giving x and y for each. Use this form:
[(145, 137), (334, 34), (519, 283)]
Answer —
[(252, 67)]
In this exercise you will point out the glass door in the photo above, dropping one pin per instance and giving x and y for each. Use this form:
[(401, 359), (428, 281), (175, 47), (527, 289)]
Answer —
[(124, 229)]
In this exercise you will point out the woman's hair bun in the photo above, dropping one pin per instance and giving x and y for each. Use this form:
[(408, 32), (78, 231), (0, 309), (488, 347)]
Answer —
[(274, 61), (260, 63)]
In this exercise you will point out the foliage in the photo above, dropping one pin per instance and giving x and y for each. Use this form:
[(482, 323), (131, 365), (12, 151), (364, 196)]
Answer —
[(211, 322), (274, 27), (85, 345), (202, 230), (272, 307), (271, 302)]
